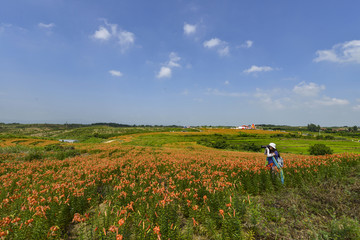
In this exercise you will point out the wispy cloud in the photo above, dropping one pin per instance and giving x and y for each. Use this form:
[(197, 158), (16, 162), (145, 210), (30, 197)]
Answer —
[(247, 44), (174, 60), (356, 108), (212, 43), (46, 25), (166, 70), (255, 69), (270, 99), (217, 92), (115, 73), (341, 53), (327, 101), (189, 29), (124, 38), (224, 51), (222, 47), (307, 95), (10, 27), (308, 89)]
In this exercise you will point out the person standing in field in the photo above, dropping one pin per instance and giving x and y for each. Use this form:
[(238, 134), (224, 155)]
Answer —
[(270, 152), (275, 163)]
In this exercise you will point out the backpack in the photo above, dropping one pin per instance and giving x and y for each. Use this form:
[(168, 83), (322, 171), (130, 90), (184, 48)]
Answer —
[(280, 161)]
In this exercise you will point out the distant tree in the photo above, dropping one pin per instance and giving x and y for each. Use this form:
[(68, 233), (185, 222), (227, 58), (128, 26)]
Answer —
[(329, 130), (320, 149), (313, 128), (354, 129), (329, 137)]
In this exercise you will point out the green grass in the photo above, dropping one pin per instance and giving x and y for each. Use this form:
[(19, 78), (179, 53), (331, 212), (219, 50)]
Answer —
[(30, 153), (284, 145), (343, 142), (80, 132)]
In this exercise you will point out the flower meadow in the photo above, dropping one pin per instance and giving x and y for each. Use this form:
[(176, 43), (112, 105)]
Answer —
[(115, 191)]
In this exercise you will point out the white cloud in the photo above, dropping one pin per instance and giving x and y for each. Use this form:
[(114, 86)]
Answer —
[(356, 108), (326, 55), (174, 59), (115, 73), (308, 90), (224, 51), (212, 43), (6, 27), (165, 72), (247, 44), (267, 99), (226, 82), (124, 38), (217, 92), (327, 101), (189, 29), (255, 68), (46, 26), (341, 53), (286, 99), (102, 34), (221, 46)]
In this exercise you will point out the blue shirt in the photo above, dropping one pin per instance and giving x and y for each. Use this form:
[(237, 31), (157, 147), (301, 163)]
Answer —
[(270, 160)]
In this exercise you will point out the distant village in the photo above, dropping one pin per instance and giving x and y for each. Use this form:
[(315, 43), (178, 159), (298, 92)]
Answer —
[(252, 126)]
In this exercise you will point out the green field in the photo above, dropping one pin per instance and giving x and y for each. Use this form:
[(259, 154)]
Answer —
[(284, 144), (291, 140)]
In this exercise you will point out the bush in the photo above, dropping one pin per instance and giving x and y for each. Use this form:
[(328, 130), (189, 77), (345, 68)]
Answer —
[(34, 155), (220, 144), (329, 137), (251, 147), (320, 149)]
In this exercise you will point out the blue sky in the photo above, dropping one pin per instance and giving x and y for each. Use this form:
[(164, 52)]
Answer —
[(180, 62)]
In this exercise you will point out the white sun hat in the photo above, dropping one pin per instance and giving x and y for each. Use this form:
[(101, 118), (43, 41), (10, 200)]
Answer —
[(273, 145)]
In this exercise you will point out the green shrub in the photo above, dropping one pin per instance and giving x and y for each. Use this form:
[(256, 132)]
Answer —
[(251, 147), (220, 144), (320, 149), (34, 155), (329, 137)]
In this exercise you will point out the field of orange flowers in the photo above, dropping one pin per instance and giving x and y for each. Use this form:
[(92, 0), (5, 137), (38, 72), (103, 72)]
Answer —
[(126, 192)]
